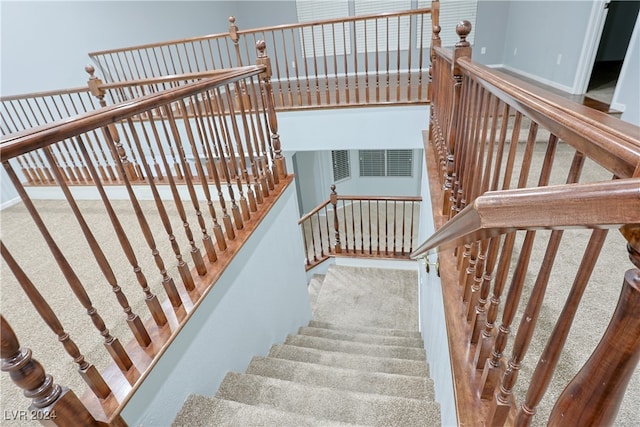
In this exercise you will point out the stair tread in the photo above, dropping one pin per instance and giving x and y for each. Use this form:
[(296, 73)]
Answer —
[(329, 403), (350, 361), (361, 337), (411, 387), (212, 411), (398, 352), (365, 329)]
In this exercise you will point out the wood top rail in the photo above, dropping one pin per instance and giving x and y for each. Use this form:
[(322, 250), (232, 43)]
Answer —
[(444, 53), (23, 142), (609, 204), (608, 141), (314, 211), (262, 29), (170, 79), (338, 20), (383, 198), (360, 198), (44, 93)]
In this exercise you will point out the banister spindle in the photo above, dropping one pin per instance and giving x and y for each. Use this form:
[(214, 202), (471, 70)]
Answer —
[(133, 320), (96, 90), (595, 393), (54, 404), (112, 344), (267, 93), (435, 42), (150, 299), (462, 50), (336, 224), (87, 371)]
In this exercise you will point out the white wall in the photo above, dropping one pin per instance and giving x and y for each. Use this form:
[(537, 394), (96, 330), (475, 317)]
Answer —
[(229, 327), (432, 320)]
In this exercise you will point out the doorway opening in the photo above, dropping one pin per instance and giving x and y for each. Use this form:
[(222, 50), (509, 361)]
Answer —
[(612, 49)]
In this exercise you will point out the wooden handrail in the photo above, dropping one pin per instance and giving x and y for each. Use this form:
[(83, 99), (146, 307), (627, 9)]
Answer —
[(612, 146), (388, 198), (608, 204), (337, 20), (41, 136), (313, 211), (171, 78)]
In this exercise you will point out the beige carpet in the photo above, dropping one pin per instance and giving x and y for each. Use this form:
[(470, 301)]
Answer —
[(28, 247)]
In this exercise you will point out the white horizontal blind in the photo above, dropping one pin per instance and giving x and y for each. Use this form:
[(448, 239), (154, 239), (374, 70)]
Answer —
[(341, 165), (451, 12), (372, 163), (312, 37), (399, 162), (386, 163), (378, 29)]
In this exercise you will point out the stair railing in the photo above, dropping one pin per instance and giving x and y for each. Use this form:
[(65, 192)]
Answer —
[(358, 60), (22, 112), (360, 226), (510, 162), (237, 176)]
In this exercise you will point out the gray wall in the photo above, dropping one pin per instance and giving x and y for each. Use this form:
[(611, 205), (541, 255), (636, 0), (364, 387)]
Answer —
[(490, 30), (229, 327)]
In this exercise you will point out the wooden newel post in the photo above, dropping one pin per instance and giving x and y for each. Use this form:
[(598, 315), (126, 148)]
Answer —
[(336, 225), (51, 404), (435, 42), (594, 395), (452, 190), (110, 132), (279, 165)]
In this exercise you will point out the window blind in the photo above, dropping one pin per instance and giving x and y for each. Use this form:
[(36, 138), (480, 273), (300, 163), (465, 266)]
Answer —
[(451, 12), (377, 29), (312, 37), (341, 165), (386, 163)]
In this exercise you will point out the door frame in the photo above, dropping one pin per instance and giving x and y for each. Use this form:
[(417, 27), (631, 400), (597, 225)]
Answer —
[(593, 34)]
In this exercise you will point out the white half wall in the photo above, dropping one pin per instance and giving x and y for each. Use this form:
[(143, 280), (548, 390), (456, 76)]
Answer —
[(266, 280), (432, 321)]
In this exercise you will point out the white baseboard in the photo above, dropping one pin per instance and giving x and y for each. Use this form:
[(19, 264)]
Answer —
[(10, 203), (542, 80)]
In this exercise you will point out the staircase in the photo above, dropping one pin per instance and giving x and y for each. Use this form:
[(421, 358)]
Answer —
[(331, 372)]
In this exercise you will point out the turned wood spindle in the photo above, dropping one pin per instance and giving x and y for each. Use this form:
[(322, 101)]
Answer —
[(336, 223)]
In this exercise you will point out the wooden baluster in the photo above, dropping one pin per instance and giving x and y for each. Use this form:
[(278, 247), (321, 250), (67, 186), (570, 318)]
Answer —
[(96, 90), (346, 227), (435, 42), (336, 224), (235, 210), (501, 406), (196, 255), (398, 60), (503, 401), (233, 35), (315, 65), (50, 403), (306, 244), (150, 299), (324, 70), (206, 239), (241, 152), (378, 226), (266, 179), (235, 167), (87, 371), (462, 50), (113, 346), (312, 231), (409, 48), (217, 228), (183, 267), (336, 81), (551, 354), (133, 320), (395, 226), (279, 161), (226, 219), (594, 395), (403, 224), (370, 233)]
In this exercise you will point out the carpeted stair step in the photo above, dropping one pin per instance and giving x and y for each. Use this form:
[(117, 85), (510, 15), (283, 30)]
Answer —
[(410, 353), (315, 284), (211, 411), (365, 329), (336, 334), (332, 404), (350, 361), (343, 379)]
